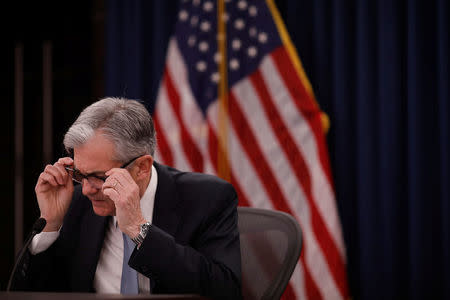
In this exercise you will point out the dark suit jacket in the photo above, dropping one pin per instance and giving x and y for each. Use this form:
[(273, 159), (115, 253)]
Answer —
[(192, 247)]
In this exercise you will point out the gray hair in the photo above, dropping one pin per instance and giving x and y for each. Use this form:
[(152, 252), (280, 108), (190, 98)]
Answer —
[(126, 123)]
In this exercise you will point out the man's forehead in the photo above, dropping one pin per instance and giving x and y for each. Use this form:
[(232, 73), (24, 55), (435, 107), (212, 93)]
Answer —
[(96, 155), (87, 165)]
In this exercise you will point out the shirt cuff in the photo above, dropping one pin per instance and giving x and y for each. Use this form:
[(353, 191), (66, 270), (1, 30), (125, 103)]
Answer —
[(42, 241)]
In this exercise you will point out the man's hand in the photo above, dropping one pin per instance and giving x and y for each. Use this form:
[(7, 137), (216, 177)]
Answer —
[(54, 190), (123, 190)]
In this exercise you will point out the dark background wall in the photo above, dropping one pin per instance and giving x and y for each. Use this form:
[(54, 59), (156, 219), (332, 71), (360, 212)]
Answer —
[(75, 33)]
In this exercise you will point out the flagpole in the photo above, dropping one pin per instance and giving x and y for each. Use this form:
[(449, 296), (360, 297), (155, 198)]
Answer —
[(223, 167)]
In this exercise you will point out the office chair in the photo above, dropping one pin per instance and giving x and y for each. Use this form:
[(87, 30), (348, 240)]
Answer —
[(271, 242)]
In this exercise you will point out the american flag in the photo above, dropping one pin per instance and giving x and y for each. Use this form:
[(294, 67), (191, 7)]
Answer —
[(270, 144)]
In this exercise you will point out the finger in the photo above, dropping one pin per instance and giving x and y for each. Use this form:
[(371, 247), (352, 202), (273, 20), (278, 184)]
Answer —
[(110, 182), (55, 173), (118, 186), (67, 161), (48, 178), (116, 171), (111, 171), (62, 171), (123, 176), (120, 183), (111, 193)]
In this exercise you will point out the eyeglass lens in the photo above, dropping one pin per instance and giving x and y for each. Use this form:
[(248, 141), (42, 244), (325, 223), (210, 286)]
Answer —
[(78, 177)]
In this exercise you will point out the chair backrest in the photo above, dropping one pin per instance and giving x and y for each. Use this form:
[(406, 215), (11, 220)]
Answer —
[(271, 242)]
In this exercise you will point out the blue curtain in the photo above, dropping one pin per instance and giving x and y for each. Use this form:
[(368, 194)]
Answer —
[(380, 70)]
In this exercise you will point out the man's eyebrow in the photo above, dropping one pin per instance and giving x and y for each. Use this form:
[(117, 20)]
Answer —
[(96, 173)]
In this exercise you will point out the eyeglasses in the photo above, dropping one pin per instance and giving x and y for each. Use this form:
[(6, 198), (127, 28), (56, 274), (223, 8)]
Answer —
[(94, 180)]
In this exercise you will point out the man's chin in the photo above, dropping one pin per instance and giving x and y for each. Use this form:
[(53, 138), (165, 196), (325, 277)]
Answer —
[(101, 209)]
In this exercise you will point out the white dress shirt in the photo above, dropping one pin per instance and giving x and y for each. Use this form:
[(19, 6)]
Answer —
[(109, 268)]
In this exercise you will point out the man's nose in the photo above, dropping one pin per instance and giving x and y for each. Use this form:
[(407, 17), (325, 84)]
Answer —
[(87, 188)]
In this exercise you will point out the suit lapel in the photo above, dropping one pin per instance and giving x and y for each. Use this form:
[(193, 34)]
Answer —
[(91, 241), (165, 215)]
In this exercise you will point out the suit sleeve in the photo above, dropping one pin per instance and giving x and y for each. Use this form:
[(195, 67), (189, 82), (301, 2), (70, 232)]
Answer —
[(47, 270), (39, 272), (209, 266)]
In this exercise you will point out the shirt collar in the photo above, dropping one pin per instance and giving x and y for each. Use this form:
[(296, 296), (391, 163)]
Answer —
[(148, 199)]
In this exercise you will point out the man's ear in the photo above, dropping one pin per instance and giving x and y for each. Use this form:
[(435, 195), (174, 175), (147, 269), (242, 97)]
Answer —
[(144, 164)]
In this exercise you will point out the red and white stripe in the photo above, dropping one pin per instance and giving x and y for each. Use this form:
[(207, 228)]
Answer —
[(277, 156)]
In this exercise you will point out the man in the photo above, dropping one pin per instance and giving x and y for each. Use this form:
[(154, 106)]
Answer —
[(182, 227)]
